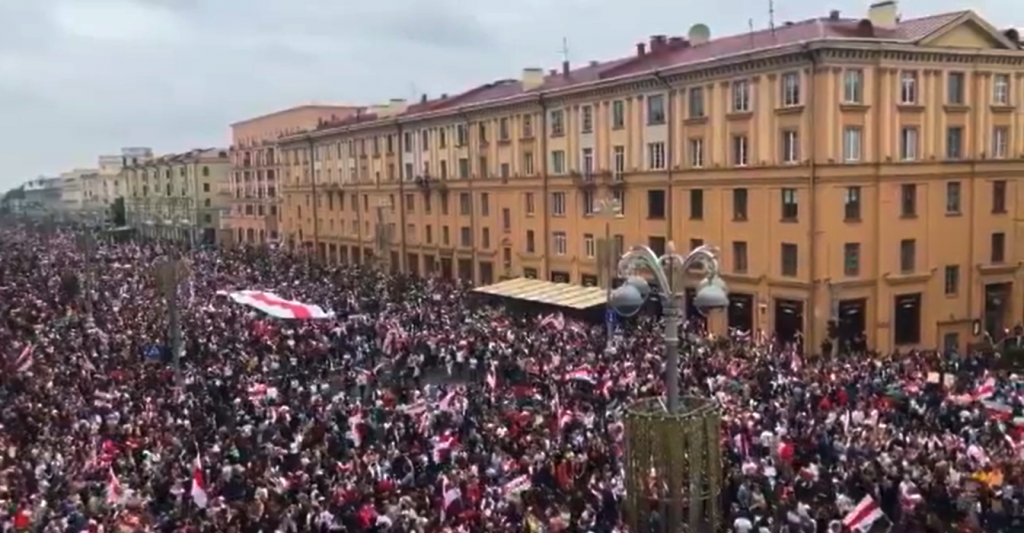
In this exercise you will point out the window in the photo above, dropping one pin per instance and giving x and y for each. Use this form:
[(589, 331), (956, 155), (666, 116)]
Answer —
[(739, 204), (465, 237), (851, 204), (558, 162), (740, 150), (908, 256), (656, 156), (618, 115), (484, 168), (790, 89), (408, 171), (485, 204), (789, 260), (908, 200), (790, 207), (587, 161), (446, 238), (589, 247), (461, 135), (739, 257), (465, 204), (561, 243), (558, 204), (853, 86), (696, 204), (657, 245), (618, 161), (482, 133), (528, 163), (557, 123), (953, 198), (406, 142), (908, 144), (1001, 89), (851, 144), (443, 169), (463, 168), (790, 146), (506, 219), (954, 142), (410, 202), (505, 170), (998, 248), (485, 238), (695, 103), (619, 196), (951, 280), (740, 96), (589, 202), (1000, 142), (955, 88), (531, 207), (587, 120), (425, 140), (503, 133), (531, 245), (999, 196), (655, 110), (656, 204), (908, 87), (851, 259), (696, 152)]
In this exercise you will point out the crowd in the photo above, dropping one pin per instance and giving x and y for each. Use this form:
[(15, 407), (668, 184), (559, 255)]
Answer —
[(416, 409)]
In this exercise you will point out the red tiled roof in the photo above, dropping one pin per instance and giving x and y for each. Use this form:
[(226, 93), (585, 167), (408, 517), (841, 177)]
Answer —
[(678, 52)]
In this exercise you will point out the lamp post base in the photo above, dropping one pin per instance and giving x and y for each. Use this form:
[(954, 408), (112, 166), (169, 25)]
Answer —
[(673, 466)]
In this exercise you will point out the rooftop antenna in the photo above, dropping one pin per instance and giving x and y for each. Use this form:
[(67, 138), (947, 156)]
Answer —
[(771, 16), (565, 49), (750, 24)]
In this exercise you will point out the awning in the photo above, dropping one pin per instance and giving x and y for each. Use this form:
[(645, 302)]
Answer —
[(547, 292)]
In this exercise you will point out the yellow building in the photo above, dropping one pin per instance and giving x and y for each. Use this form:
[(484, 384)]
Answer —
[(179, 196), (864, 168)]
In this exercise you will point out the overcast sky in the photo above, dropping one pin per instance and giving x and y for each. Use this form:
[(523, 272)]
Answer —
[(79, 78)]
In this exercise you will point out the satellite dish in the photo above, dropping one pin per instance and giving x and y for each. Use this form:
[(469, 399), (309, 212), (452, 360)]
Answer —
[(699, 34)]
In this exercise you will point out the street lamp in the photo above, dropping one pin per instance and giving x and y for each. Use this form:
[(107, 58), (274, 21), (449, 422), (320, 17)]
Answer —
[(383, 236), (673, 454), (611, 209)]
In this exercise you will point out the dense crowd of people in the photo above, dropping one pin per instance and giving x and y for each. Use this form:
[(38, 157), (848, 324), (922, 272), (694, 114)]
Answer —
[(417, 409)]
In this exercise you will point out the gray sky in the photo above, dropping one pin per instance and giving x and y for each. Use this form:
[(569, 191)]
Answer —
[(79, 78)]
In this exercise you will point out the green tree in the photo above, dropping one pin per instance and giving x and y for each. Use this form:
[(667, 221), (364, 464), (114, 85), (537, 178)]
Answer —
[(118, 216)]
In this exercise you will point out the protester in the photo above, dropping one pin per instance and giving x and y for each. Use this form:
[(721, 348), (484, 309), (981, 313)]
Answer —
[(414, 408)]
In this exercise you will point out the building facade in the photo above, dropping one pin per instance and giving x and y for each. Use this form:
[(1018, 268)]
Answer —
[(255, 175), (179, 196), (859, 169), (42, 197)]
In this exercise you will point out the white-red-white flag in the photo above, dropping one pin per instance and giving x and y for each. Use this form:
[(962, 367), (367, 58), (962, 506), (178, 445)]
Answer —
[(115, 493), (198, 485), (24, 361), (861, 517)]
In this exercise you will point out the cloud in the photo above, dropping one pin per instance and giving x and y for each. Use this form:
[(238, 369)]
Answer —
[(83, 77)]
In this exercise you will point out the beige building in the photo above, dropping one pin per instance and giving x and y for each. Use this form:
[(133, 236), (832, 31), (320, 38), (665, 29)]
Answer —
[(832, 160), (179, 196)]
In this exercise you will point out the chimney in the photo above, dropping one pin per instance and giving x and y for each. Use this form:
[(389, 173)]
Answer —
[(833, 15), (423, 99), (533, 78), (641, 49), (883, 15), (553, 72), (565, 69), (657, 43)]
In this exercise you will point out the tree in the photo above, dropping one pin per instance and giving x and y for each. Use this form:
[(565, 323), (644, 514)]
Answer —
[(118, 216)]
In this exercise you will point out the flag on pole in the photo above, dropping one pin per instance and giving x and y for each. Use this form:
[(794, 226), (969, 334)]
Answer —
[(198, 485), (863, 515), (115, 493)]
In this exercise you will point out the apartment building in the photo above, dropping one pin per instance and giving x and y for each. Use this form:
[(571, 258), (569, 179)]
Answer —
[(858, 168), (254, 213), (179, 196)]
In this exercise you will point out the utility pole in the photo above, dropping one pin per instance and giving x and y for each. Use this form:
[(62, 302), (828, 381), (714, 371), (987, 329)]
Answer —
[(170, 274), (86, 245)]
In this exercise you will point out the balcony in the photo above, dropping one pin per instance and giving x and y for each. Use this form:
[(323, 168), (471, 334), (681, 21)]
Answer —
[(584, 180)]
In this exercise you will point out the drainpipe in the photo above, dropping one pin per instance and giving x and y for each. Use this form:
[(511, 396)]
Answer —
[(545, 273), (401, 199), (811, 339), (472, 199), (876, 107), (316, 199)]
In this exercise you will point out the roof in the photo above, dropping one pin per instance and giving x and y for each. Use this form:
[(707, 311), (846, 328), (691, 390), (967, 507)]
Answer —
[(676, 52), (295, 109), (547, 292)]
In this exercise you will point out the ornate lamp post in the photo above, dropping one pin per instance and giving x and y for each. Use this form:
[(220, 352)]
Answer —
[(611, 209), (673, 457)]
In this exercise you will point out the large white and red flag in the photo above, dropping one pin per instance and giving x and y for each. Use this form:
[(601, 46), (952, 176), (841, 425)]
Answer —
[(276, 306), (199, 485)]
